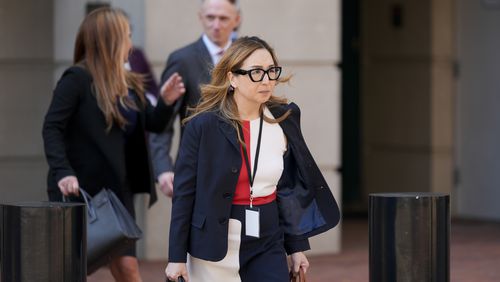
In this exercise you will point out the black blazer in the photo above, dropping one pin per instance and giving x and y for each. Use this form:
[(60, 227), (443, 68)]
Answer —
[(206, 175), (76, 141)]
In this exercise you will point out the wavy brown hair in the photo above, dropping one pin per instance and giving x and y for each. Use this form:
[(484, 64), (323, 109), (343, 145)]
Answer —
[(99, 48), (218, 96)]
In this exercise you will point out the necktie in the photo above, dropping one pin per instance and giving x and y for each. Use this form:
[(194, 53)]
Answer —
[(218, 55)]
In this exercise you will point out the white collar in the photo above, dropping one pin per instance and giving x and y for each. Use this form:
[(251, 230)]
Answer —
[(213, 49)]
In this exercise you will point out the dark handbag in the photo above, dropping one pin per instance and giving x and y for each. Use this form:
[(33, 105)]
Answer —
[(110, 228), (297, 276)]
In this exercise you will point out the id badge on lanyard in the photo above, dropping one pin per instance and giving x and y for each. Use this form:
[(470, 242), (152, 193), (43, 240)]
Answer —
[(252, 214), (252, 222)]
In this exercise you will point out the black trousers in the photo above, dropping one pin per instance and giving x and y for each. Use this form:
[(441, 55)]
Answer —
[(264, 258)]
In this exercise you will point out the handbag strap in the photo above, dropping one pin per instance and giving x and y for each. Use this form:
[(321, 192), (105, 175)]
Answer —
[(88, 202), (179, 279), (298, 276)]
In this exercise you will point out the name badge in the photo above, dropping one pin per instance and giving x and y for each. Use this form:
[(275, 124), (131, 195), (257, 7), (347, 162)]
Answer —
[(252, 222)]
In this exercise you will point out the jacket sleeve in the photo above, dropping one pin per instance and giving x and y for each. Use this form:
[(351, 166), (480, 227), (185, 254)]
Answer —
[(157, 117), (295, 244), (64, 104), (161, 143), (185, 191)]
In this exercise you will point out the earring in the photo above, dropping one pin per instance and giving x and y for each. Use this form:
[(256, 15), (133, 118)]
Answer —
[(231, 89)]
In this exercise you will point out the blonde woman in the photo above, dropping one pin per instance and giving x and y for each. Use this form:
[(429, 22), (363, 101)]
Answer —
[(247, 191), (94, 128)]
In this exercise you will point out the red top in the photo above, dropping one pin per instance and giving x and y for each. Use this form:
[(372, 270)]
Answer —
[(242, 193)]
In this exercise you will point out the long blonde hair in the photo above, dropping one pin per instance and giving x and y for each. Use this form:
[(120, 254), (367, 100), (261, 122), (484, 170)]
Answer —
[(99, 48), (219, 96)]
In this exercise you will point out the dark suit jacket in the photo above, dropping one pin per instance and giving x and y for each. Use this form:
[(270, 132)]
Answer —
[(206, 175), (194, 64), (77, 143)]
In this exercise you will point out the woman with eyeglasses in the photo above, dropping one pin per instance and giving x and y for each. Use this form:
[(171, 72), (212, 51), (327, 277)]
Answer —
[(247, 191)]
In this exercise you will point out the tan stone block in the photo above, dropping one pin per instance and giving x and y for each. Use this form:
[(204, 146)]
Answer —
[(23, 178), (26, 29), (316, 89), (170, 25), (304, 30), (24, 106)]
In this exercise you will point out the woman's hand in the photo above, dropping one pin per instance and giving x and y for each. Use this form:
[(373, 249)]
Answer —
[(69, 185), (299, 259), (176, 269), (172, 89)]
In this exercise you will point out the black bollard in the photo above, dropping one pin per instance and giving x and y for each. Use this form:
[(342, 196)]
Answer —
[(43, 242), (409, 237)]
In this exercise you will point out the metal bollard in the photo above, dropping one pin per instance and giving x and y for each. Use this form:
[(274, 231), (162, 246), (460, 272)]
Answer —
[(43, 242), (409, 237)]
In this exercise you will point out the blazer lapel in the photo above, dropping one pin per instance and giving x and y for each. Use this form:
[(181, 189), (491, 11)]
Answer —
[(291, 129), (229, 132), (205, 59), (286, 124)]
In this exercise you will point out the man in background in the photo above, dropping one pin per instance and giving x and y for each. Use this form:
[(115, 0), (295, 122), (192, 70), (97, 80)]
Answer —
[(219, 18)]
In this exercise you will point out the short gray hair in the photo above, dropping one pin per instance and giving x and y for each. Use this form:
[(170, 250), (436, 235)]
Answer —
[(233, 2)]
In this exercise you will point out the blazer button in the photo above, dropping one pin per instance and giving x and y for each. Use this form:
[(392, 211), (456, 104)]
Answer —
[(223, 221), (226, 195), (234, 169)]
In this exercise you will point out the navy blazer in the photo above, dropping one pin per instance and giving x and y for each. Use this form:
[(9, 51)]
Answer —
[(206, 174)]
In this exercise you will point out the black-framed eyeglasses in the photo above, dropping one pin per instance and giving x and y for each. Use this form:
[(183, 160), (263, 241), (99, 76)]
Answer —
[(257, 74)]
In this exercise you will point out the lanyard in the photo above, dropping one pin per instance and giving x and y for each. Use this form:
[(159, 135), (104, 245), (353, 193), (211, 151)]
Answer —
[(251, 177)]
